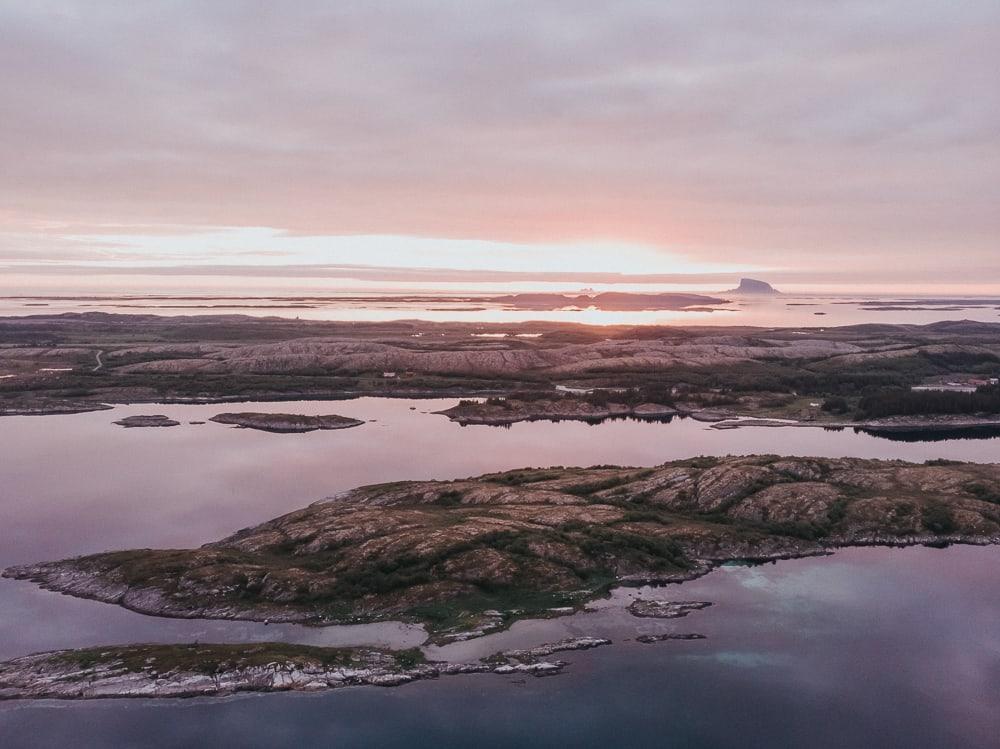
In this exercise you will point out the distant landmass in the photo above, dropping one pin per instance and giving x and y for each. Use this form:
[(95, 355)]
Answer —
[(753, 286), (610, 301)]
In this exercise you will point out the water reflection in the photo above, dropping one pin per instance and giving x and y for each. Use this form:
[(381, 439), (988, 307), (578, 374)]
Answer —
[(937, 435), (870, 647)]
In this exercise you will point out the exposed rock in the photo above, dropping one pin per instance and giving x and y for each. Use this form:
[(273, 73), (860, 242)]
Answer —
[(485, 623), (799, 502), (268, 422), (653, 410), (158, 420), (729, 482), (649, 639), (665, 609), (534, 655)]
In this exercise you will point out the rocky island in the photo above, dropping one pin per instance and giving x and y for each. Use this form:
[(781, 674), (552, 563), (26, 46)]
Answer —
[(656, 609), (157, 420), (754, 286), (504, 411), (197, 670), (286, 422), (536, 541)]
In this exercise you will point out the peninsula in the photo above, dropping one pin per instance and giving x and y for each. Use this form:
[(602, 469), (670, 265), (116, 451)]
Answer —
[(209, 670)]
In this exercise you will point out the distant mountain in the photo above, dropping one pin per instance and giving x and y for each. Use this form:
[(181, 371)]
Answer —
[(753, 286)]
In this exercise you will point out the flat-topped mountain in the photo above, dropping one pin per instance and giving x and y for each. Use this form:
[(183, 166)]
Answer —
[(527, 542), (753, 286)]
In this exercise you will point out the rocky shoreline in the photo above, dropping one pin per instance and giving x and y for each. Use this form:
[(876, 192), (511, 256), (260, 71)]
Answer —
[(161, 671)]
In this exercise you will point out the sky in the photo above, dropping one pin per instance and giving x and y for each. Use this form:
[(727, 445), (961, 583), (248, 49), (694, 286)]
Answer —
[(341, 145)]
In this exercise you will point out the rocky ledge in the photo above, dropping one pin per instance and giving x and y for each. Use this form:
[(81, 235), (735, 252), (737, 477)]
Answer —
[(286, 422), (504, 411), (215, 670), (527, 543), (158, 420)]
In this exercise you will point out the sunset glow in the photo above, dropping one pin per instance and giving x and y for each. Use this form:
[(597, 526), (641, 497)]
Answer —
[(831, 146)]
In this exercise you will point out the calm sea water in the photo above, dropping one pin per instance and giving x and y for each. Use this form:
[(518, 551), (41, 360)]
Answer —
[(869, 647), (787, 310)]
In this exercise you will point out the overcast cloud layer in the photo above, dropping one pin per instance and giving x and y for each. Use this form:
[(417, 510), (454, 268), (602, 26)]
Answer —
[(805, 136)]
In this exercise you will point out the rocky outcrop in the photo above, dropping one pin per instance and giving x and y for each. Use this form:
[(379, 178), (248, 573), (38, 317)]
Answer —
[(158, 420), (474, 555), (656, 609), (536, 654), (649, 639), (285, 422)]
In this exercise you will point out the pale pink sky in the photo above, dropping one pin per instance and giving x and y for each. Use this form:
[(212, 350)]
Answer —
[(816, 143)]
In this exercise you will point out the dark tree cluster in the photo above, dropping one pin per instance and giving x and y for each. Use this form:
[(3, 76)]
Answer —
[(900, 402)]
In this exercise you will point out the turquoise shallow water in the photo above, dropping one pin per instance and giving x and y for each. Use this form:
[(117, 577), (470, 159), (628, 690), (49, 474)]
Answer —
[(869, 647)]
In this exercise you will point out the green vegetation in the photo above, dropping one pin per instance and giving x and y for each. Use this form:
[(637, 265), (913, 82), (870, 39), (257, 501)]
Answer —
[(214, 659), (938, 518), (985, 493), (836, 405)]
